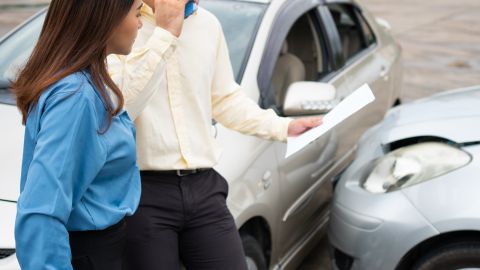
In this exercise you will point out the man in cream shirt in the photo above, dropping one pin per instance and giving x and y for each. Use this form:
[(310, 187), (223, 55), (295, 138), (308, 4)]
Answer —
[(177, 79)]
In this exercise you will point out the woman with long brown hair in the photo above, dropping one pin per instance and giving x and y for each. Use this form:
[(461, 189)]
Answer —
[(79, 174)]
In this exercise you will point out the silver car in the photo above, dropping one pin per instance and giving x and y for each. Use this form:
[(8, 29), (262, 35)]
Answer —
[(297, 57), (411, 198)]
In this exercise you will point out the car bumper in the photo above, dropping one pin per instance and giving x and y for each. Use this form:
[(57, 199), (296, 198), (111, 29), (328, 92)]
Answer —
[(7, 239), (371, 231), (9, 263)]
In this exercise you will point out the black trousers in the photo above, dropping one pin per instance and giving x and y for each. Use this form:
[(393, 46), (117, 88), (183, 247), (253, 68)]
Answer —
[(183, 219), (99, 250)]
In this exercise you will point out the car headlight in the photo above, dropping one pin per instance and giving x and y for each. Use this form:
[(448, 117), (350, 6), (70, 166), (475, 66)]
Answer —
[(414, 164)]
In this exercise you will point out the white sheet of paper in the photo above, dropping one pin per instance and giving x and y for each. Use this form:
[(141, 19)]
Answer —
[(350, 105)]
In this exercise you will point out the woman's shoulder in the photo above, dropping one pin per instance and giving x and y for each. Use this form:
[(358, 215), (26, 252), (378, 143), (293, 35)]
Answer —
[(70, 97), (74, 88), (76, 84)]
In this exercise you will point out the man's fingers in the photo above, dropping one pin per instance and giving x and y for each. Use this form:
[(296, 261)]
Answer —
[(313, 122), (169, 15)]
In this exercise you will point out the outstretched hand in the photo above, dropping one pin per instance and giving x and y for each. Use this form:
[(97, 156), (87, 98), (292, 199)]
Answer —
[(299, 126)]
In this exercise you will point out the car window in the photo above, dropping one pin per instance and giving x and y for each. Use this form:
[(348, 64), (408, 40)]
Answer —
[(355, 34), (367, 32), (303, 56)]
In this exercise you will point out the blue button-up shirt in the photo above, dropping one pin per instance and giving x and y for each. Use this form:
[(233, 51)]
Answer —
[(73, 177)]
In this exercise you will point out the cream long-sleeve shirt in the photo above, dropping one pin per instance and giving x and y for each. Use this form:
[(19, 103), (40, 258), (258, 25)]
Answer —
[(174, 87)]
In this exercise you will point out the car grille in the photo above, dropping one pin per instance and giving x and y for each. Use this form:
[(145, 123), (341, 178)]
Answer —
[(6, 252)]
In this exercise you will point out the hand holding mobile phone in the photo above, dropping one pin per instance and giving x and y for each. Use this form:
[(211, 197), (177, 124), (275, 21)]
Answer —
[(170, 15)]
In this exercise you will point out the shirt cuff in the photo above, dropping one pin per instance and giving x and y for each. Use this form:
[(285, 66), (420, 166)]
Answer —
[(283, 124), (162, 42)]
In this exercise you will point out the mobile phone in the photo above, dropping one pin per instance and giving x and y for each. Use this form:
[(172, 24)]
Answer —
[(190, 8)]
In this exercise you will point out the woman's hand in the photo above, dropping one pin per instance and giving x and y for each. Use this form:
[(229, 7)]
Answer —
[(299, 126)]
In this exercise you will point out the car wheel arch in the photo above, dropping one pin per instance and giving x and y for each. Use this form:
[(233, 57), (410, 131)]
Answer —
[(258, 228), (434, 242)]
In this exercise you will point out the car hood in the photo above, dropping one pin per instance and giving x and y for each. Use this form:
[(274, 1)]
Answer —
[(11, 149), (451, 115)]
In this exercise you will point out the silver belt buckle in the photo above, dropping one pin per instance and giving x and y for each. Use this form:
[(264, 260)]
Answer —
[(179, 172)]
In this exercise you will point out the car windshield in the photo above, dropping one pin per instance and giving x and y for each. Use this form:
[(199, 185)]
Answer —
[(240, 21), (14, 52)]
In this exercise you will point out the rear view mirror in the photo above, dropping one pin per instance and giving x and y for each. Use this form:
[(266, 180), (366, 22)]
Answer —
[(309, 98)]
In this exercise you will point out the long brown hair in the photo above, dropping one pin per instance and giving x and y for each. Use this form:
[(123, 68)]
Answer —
[(74, 37)]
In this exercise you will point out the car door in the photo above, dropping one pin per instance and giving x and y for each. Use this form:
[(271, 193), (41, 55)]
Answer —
[(304, 191), (363, 60)]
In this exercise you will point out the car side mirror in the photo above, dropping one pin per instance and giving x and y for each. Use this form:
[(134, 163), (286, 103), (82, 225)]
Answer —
[(309, 98)]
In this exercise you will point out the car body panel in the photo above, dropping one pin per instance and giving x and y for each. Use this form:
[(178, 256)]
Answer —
[(373, 244), (295, 226), (452, 203), (11, 154), (378, 230), (8, 211), (459, 108)]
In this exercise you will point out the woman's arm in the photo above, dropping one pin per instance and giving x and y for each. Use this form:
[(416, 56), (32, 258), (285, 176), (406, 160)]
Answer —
[(67, 156)]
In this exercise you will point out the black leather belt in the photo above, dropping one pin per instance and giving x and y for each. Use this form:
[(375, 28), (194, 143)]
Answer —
[(178, 172)]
